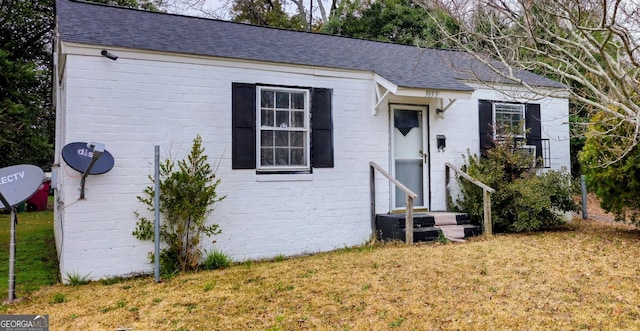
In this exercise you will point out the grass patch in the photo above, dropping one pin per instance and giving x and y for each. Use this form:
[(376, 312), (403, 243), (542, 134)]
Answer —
[(76, 279), (279, 258), (216, 260), (36, 257), (112, 280), (58, 298), (581, 277)]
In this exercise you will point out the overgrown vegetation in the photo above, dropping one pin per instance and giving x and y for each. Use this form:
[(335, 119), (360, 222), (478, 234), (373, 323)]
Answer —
[(525, 200), (187, 197), (615, 184)]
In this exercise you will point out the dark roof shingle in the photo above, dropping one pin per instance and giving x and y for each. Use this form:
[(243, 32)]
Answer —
[(405, 66)]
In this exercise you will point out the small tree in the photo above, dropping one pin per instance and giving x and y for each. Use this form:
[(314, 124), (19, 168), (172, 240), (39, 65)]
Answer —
[(187, 196), (523, 200), (616, 185)]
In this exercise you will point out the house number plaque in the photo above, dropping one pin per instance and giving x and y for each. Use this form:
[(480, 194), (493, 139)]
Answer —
[(431, 94)]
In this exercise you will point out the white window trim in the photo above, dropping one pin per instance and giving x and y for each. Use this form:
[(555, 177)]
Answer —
[(524, 126), (307, 129)]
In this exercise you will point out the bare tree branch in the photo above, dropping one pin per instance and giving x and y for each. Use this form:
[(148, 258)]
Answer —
[(591, 46)]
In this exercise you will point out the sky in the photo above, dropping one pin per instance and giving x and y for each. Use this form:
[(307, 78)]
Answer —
[(204, 8)]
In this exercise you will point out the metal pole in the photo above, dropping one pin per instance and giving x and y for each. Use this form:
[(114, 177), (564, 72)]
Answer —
[(12, 247), (156, 208), (12, 255), (583, 186)]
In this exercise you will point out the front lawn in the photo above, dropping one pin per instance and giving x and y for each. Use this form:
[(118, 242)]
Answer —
[(584, 276)]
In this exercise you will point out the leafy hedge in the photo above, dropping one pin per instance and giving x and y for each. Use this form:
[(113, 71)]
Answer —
[(526, 199), (612, 172)]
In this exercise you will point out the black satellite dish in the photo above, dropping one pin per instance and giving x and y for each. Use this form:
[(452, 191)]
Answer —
[(18, 183), (78, 155)]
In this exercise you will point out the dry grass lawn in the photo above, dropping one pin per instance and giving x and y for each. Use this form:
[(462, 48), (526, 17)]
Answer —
[(586, 276)]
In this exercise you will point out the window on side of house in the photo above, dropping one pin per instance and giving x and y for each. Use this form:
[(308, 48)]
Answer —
[(509, 118), (284, 130), (281, 129), (495, 116)]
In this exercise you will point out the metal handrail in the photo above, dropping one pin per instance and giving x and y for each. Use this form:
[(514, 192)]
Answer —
[(410, 196), (486, 194)]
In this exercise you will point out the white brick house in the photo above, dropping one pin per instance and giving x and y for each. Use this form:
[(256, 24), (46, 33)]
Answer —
[(339, 102)]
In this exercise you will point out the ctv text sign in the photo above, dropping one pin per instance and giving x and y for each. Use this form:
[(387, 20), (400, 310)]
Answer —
[(19, 182)]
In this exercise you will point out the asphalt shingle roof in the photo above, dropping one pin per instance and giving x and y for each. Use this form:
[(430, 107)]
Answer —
[(405, 66)]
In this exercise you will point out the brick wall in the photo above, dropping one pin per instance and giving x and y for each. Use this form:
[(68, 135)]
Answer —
[(134, 103), (147, 99)]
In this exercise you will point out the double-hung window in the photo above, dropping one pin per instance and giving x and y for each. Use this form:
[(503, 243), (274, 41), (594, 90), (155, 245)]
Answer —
[(499, 118), (509, 119), (281, 129), (284, 129)]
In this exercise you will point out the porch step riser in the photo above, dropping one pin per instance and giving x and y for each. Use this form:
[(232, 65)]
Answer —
[(427, 234), (425, 226), (420, 220)]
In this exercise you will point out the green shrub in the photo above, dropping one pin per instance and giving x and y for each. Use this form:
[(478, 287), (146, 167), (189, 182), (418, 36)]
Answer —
[(216, 260), (187, 196), (612, 176), (524, 200)]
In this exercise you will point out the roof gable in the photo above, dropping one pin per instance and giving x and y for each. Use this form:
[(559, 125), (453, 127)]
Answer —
[(404, 66)]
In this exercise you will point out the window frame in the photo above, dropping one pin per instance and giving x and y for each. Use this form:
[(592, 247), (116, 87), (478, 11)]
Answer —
[(523, 123), (306, 129)]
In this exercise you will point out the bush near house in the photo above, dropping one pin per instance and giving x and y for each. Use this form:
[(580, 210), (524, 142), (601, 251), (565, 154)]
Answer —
[(187, 196), (525, 200), (612, 173)]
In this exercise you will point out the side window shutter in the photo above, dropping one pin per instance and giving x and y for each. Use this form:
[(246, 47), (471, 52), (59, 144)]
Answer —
[(243, 123), (485, 109), (321, 128), (534, 130)]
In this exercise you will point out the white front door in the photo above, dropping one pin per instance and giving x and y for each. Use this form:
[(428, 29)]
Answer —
[(410, 154)]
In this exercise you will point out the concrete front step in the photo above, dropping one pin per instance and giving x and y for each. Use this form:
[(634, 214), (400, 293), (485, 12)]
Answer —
[(426, 226)]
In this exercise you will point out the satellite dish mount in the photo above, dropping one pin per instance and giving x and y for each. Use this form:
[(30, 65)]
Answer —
[(87, 158), (98, 149)]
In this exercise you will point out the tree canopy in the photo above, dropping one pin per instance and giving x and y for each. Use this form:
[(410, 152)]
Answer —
[(400, 21), (26, 111), (152, 5), (27, 114), (266, 13), (592, 46)]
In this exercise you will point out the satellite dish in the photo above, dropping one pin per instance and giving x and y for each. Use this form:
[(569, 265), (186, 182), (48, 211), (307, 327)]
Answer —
[(19, 182), (78, 155)]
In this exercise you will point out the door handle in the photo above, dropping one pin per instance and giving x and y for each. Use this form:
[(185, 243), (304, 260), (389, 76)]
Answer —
[(425, 156)]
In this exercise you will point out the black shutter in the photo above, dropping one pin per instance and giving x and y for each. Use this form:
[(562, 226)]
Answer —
[(321, 128), (243, 123), (485, 109), (534, 129)]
